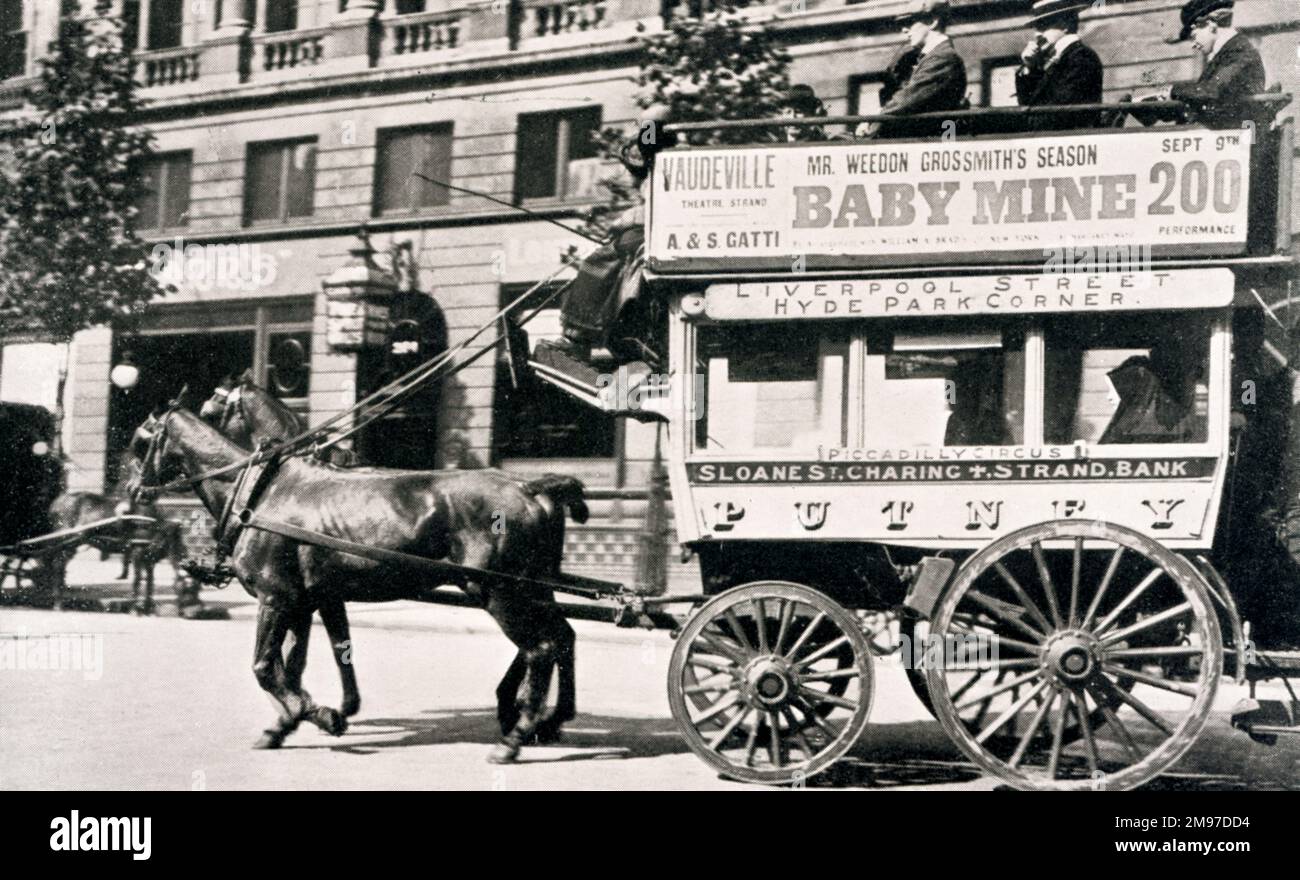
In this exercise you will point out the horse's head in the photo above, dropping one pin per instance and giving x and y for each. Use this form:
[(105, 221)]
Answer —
[(159, 459)]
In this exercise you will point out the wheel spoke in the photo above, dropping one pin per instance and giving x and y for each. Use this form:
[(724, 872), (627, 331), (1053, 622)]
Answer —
[(1077, 564), (1130, 744), (787, 612), (733, 624), (822, 651), (1165, 651), (1013, 643), (760, 623), (1029, 604), (705, 688), (1177, 687), (805, 635), (824, 697), (1147, 623), (1045, 576), (990, 665), (810, 712), (774, 739), (1001, 689), (1106, 578), (721, 736), (1058, 736), (1089, 741), (722, 646), (712, 665), (961, 691), (751, 743), (848, 672), (1037, 720), (717, 709), (1011, 712), (1140, 707), (797, 734), (1000, 611), (1143, 585)]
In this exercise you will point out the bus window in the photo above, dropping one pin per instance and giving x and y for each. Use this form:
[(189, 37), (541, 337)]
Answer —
[(1126, 379), (951, 388), (770, 387)]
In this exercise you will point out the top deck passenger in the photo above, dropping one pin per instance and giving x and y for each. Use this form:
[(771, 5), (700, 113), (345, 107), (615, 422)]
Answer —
[(1057, 68), (1233, 69), (927, 77)]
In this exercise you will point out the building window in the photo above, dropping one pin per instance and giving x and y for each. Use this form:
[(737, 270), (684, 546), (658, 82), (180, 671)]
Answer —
[(165, 23), (196, 347), (166, 201), (547, 144), (409, 7), (864, 94), (13, 39), (281, 15), (998, 83), (532, 419), (280, 181), (403, 155)]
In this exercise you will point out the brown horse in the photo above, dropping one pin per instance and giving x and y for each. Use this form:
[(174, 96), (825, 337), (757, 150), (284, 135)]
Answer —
[(271, 421), (472, 518), (250, 415)]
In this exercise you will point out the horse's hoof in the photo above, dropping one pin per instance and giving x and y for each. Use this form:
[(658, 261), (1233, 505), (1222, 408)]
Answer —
[(329, 720), (503, 753), (269, 739), (350, 707)]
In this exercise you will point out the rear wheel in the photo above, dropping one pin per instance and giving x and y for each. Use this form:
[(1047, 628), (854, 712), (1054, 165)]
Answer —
[(1113, 634), (771, 682)]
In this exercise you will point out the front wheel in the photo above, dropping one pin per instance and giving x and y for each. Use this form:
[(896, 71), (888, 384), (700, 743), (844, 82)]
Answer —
[(771, 682), (1111, 634)]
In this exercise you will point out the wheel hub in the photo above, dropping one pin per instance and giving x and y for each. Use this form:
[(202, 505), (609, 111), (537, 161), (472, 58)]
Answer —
[(768, 682), (1069, 656)]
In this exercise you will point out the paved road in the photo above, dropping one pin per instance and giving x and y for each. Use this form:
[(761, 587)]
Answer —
[(174, 706)]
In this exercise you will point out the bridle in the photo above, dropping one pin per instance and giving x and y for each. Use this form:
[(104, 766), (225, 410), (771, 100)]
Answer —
[(148, 471)]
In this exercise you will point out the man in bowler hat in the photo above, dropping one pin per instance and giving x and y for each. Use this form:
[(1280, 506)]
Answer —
[(1057, 68)]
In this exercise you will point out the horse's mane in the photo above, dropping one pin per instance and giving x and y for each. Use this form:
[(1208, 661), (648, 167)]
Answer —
[(252, 394)]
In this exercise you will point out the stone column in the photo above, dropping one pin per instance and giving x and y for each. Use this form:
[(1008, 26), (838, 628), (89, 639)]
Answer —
[(236, 17), (353, 41), (226, 51)]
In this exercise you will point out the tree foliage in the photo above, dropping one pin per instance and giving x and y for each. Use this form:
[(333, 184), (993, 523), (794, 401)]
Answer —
[(70, 257), (716, 66)]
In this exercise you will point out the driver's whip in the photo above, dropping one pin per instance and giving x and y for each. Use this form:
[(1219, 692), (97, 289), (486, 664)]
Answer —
[(506, 204)]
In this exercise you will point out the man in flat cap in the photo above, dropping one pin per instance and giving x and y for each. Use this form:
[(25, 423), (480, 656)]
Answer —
[(927, 77), (1233, 69), (1057, 68)]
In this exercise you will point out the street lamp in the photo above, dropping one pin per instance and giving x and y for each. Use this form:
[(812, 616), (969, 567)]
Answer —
[(126, 374), (358, 296)]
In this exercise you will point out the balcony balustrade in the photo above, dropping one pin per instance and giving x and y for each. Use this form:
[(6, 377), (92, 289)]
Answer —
[(286, 51), (168, 67), (423, 32)]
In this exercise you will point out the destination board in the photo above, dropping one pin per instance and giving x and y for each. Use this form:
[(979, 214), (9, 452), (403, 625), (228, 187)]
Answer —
[(791, 207)]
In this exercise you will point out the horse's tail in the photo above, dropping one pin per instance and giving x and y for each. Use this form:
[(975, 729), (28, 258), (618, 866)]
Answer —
[(566, 491)]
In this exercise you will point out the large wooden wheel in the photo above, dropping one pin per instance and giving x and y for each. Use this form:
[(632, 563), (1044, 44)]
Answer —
[(1112, 638), (771, 682)]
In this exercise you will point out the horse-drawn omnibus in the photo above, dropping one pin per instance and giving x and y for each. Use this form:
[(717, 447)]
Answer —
[(995, 383)]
